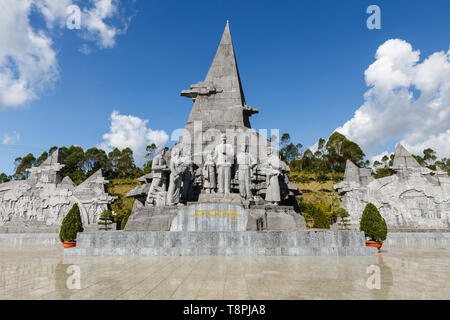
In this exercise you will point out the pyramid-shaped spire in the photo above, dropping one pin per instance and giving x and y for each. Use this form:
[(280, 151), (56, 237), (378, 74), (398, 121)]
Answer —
[(219, 100), (351, 172), (54, 158), (224, 71), (403, 159)]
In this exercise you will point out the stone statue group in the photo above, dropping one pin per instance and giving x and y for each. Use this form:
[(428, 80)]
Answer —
[(174, 182)]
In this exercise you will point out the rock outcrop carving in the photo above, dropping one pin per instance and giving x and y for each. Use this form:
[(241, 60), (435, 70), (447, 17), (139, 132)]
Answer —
[(413, 198), (39, 203)]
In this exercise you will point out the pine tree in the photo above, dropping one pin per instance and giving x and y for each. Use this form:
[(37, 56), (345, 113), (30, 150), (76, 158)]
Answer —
[(106, 219), (344, 221)]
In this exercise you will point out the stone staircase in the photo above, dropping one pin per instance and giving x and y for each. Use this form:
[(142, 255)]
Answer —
[(233, 243)]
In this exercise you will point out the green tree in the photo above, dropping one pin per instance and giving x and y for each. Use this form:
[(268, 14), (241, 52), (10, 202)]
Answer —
[(71, 225), (25, 163), (321, 220), (105, 220), (288, 150), (41, 159), (344, 221), (125, 164), (52, 149), (372, 223), (4, 178), (94, 160), (340, 149), (73, 159), (308, 160), (150, 151)]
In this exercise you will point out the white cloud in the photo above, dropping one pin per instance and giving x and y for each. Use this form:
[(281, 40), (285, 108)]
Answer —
[(54, 12), (408, 101), (9, 139), (130, 131), (93, 22), (85, 49), (28, 61)]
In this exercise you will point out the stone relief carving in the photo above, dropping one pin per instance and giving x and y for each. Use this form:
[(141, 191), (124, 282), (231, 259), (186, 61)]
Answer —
[(412, 198), (45, 198)]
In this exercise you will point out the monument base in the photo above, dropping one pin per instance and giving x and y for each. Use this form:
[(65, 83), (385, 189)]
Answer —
[(236, 243), (215, 216)]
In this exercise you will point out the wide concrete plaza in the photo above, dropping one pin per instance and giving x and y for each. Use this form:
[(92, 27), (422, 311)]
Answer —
[(40, 272)]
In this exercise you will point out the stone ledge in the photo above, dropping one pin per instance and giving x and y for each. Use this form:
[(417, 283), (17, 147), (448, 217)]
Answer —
[(415, 238), (295, 251), (30, 238)]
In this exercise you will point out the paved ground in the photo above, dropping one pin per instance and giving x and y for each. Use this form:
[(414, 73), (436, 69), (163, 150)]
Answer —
[(36, 272)]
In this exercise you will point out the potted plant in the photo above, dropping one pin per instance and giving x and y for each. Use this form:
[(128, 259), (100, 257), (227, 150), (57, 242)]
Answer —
[(70, 226), (374, 226)]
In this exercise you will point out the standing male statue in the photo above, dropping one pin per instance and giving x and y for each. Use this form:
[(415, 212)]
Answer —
[(209, 175), (272, 171), (188, 178), (177, 168), (224, 158), (245, 165), (159, 174)]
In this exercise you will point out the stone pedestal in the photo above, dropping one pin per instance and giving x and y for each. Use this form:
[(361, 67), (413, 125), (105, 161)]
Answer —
[(210, 217), (248, 243)]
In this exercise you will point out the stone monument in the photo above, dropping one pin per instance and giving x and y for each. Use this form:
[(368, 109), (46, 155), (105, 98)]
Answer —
[(39, 203), (228, 192), (206, 172), (414, 198)]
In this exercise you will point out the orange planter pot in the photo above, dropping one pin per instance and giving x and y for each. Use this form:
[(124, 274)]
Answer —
[(69, 244), (375, 244)]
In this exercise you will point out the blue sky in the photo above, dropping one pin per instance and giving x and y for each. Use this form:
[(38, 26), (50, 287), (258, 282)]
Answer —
[(302, 64)]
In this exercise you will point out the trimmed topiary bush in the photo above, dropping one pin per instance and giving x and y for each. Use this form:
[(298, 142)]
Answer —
[(105, 220), (372, 224), (344, 221), (71, 225)]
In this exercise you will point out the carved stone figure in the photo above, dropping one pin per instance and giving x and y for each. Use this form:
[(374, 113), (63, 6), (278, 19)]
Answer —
[(272, 172), (224, 158), (159, 176), (188, 178), (245, 164), (177, 168), (209, 175)]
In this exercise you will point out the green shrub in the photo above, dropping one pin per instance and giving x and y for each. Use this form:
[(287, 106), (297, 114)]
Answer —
[(321, 220), (125, 219), (105, 220), (322, 177), (372, 223), (71, 225), (344, 222)]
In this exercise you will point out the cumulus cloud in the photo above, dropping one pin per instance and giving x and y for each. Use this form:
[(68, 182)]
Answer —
[(127, 131), (9, 139), (28, 60), (407, 101)]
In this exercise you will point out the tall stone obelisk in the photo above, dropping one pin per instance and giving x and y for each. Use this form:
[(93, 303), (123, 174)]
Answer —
[(219, 104)]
